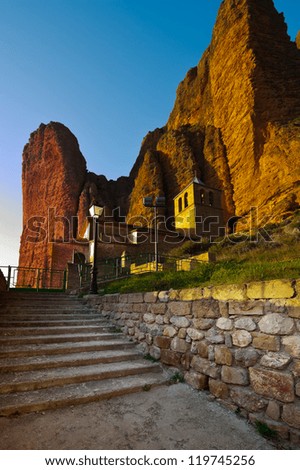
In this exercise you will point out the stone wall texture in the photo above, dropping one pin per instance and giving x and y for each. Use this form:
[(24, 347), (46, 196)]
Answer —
[(239, 343)]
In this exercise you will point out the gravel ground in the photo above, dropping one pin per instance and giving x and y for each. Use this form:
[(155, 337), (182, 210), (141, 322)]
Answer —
[(164, 418)]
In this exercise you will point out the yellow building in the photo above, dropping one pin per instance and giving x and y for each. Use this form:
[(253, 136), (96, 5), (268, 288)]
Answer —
[(198, 210)]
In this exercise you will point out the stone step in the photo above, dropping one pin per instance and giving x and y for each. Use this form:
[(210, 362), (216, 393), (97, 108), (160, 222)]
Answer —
[(69, 395), (19, 323), (62, 338), (18, 364), (38, 379), (53, 316), (29, 350), (44, 311), (53, 330)]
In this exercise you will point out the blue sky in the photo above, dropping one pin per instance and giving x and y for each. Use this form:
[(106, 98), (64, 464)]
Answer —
[(107, 69)]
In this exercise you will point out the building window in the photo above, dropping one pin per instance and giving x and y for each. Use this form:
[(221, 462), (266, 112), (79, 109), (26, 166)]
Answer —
[(180, 204), (186, 200), (202, 197), (211, 198)]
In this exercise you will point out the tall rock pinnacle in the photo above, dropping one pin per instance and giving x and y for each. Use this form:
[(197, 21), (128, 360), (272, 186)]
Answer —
[(235, 116)]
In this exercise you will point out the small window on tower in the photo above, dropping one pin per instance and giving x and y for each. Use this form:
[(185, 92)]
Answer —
[(211, 198), (180, 204), (186, 199), (202, 197)]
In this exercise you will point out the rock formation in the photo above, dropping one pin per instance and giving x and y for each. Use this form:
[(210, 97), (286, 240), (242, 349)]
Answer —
[(235, 121), (235, 124)]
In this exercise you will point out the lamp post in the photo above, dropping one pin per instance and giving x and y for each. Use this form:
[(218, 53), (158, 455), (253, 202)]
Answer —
[(95, 212), (159, 202)]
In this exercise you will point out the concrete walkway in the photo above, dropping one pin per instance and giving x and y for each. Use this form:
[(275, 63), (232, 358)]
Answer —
[(164, 418)]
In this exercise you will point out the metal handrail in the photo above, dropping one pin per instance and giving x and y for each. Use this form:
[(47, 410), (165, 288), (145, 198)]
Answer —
[(26, 277)]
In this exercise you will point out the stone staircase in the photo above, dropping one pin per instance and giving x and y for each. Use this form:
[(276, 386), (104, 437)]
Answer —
[(55, 352)]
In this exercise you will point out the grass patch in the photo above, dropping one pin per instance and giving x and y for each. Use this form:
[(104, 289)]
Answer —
[(150, 358), (232, 271), (264, 430), (176, 378)]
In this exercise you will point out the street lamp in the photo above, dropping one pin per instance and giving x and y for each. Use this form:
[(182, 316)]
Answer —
[(95, 212), (159, 202)]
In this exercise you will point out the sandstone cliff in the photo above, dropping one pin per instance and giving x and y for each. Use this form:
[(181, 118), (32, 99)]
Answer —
[(57, 193), (235, 124), (235, 120)]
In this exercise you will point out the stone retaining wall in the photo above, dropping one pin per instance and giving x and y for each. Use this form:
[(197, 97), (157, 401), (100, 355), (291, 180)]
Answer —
[(241, 343)]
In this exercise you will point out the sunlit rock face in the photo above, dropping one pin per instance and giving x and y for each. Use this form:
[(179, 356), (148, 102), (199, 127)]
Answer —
[(235, 125), (236, 116)]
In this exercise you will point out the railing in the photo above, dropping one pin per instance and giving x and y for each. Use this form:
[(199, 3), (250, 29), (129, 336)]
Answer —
[(18, 277), (125, 266)]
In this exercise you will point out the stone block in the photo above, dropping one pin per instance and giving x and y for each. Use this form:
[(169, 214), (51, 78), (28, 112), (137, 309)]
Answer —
[(179, 345), (297, 389), (157, 309), (179, 308), (174, 294), (170, 358), (149, 318), (123, 298), (276, 324), (190, 294), (218, 388), (245, 324), (205, 308), (154, 351), (202, 348), (207, 292), (294, 311), (170, 331), (140, 308), (196, 380), (246, 357), (281, 429), (275, 360), (203, 323), (277, 289), (235, 375), (296, 368), (223, 355), (136, 298), (230, 292), (223, 307), (163, 296), (150, 297), (291, 415), (224, 323), (154, 329), (160, 319), (205, 367), (265, 342), (162, 342), (272, 384), (294, 436), (181, 333), (273, 410), (247, 399), (292, 345), (241, 338), (250, 307), (180, 322), (214, 336), (195, 334)]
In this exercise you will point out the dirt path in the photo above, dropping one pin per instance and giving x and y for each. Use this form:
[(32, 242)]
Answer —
[(174, 417)]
